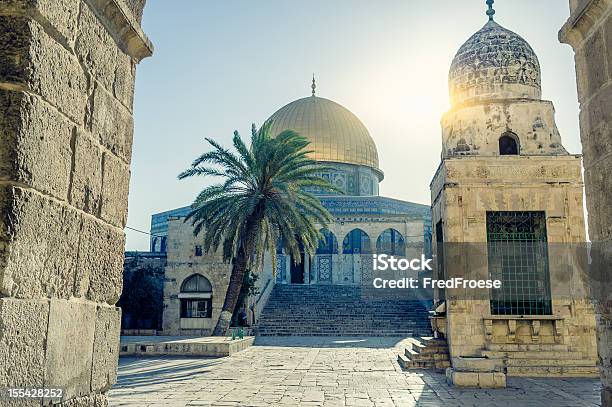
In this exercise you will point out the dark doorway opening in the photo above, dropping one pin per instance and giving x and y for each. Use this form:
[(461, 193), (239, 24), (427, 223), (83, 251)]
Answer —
[(508, 144), (297, 271)]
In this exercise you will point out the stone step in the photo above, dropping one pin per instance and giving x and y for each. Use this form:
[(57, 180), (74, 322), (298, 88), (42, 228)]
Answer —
[(340, 334), (417, 356), (407, 363), (426, 353), (527, 347), (557, 355), (551, 362), (553, 371), (339, 311)]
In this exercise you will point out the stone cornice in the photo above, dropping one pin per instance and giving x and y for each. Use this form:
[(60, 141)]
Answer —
[(122, 24), (583, 21)]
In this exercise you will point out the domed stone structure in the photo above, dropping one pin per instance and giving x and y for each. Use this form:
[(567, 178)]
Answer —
[(494, 63), (496, 99), (335, 133), (507, 185), (338, 139)]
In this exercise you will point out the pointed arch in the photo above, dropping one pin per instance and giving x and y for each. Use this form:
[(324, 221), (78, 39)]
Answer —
[(355, 242), (329, 243), (391, 242), (154, 245)]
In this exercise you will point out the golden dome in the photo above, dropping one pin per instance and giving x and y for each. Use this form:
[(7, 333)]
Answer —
[(336, 134)]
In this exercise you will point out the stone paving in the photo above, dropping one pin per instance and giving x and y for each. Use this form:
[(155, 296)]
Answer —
[(323, 371)]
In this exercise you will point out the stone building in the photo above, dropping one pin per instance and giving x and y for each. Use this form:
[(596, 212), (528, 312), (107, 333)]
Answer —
[(66, 94), (507, 204), (589, 31), (365, 223)]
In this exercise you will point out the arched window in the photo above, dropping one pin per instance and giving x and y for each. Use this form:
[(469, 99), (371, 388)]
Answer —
[(355, 242), (154, 245), (508, 144), (329, 244), (196, 297), (391, 242)]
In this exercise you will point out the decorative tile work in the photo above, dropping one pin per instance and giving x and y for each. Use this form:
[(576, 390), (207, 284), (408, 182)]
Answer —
[(280, 268), (325, 268)]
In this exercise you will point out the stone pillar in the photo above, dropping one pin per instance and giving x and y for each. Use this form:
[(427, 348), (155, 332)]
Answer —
[(589, 32), (66, 91)]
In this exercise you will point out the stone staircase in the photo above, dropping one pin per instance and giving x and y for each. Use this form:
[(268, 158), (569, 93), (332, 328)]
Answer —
[(333, 310), (425, 353)]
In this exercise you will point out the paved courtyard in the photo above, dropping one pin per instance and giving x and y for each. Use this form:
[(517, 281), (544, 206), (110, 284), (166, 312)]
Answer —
[(308, 371)]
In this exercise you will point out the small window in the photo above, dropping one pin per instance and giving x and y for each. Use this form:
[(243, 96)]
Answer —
[(508, 144), (196, 308), (196, 297), (198, 251)]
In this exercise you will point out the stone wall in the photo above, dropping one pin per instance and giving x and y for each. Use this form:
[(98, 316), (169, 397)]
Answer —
[(589, 31), (475, 129), (66, 91)]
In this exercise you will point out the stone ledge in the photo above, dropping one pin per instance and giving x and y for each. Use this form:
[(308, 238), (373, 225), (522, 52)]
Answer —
[(119, 21), (209, 346), (581, 22), (483, 380)]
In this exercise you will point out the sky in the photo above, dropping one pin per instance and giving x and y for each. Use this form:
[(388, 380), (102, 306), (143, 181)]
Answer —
[(219, 66)]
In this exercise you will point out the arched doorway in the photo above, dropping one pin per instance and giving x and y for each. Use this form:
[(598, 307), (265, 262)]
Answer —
[(391, 242)]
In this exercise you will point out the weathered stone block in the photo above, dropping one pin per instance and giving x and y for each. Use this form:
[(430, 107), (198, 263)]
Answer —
[(23, 327), (123, 87), (115, 189), (599, 112), (61, 14), (100, 263), (92, 400), (476, 364), (137, 7), (595, 54), (607, 27), (599, 197), (40, 239), (69, 346), (31, 129), (462, 379), (34, 60), (112, 123), (599, 143), (86, 187), (106, 348), (96, 49)]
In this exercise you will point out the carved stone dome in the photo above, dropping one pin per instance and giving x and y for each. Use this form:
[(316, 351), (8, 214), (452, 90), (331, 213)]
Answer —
[(336, 134), (494, 63)]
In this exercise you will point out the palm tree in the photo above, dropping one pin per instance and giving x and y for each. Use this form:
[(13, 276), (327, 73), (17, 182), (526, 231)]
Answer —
[(260, 201)]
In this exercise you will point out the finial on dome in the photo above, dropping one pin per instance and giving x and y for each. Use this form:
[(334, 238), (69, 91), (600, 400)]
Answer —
[(490, 11), (314, 85)]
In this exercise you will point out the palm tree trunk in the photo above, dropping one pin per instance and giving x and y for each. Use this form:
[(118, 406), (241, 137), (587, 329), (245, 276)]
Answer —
[(233, 292)]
